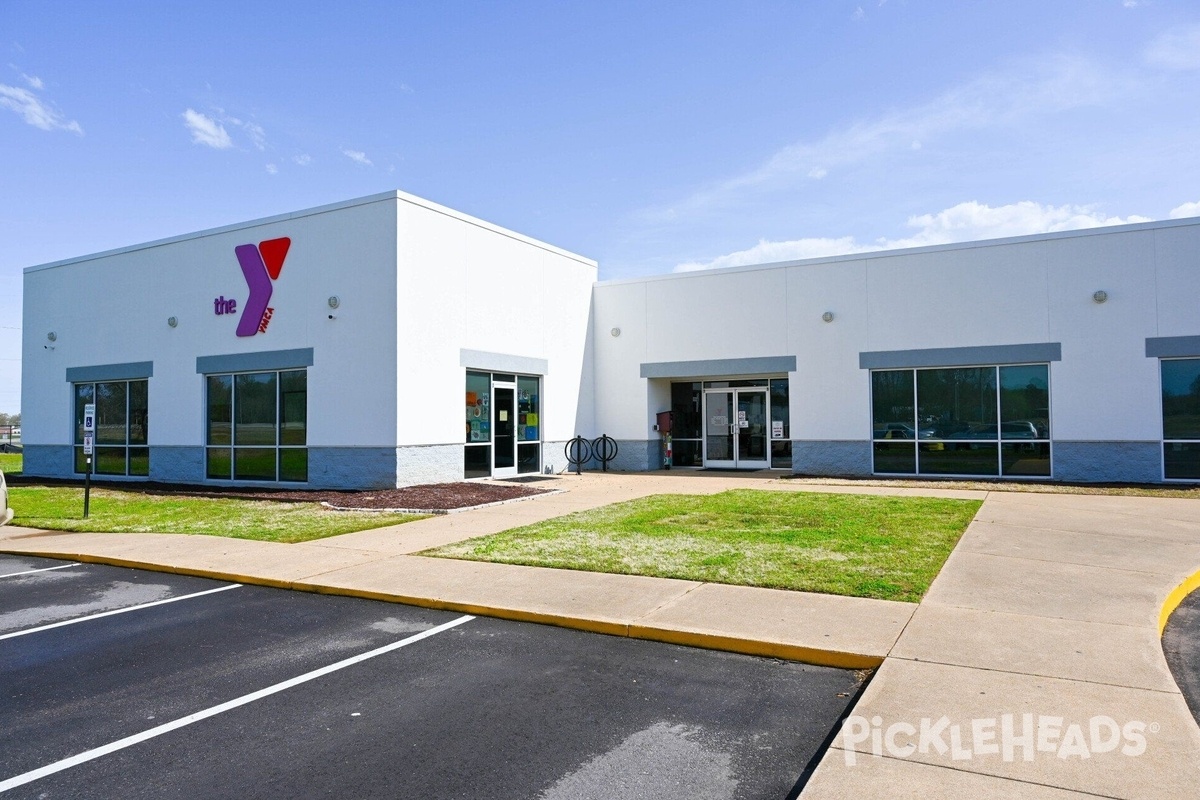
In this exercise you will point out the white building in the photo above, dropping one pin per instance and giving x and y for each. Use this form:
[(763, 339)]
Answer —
[(406, 343), (345, 367)]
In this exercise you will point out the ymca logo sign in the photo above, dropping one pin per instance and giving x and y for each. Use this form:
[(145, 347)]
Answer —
[(261, 265)]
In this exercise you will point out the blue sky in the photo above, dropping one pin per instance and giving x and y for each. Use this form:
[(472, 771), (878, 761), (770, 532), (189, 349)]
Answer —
[(650, 136)]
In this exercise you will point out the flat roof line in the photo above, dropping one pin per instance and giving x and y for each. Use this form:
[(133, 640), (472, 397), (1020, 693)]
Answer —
[(1100, 230), (310, 212)]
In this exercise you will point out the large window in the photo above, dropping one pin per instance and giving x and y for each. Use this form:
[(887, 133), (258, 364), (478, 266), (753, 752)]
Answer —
[(962, 421), (122, 418), (1181, 418), (257, 426)]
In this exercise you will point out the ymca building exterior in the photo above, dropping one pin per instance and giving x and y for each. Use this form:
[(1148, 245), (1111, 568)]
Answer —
[(389, 341)]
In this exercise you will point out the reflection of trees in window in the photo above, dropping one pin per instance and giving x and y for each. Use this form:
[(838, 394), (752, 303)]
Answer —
[(1181, 399), (122, 422)]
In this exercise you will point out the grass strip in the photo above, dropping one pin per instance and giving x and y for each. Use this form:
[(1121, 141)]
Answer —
[(116, 511), (889, 548)]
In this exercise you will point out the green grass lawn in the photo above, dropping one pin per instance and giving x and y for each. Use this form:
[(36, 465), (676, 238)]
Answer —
[(10, 462), (113, 511), (889, 548)]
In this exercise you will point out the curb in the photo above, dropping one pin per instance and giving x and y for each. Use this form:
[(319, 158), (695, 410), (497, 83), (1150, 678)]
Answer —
[(1175, 598), (707, 641)]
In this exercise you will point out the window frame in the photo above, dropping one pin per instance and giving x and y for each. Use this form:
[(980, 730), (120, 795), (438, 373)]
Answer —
[(1164, 441), (998, 440), (78, 459), (278, 448)]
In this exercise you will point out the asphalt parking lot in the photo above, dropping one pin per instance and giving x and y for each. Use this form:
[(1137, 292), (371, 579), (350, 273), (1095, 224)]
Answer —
[(1181, 644), (123, 683)]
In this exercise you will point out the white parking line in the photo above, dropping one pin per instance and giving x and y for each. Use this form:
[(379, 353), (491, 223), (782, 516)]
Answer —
[(44, 569), (129, 741), (117, 611)]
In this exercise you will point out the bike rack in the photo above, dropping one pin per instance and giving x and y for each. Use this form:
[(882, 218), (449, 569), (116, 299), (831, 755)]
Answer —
[(577, 451), (605, 449)]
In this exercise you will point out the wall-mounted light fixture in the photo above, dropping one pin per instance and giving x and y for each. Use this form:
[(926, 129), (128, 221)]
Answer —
[(172, 322), (334, 301), (52, 336), (615, 332), (1100, 296), (827, 316)]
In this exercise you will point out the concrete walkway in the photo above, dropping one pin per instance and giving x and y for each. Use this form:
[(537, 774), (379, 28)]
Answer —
[(1049, 607)]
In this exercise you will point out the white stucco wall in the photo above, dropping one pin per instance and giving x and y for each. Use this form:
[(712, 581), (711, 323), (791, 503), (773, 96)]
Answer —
[(1004, 292), (465, 284), (113, 308)]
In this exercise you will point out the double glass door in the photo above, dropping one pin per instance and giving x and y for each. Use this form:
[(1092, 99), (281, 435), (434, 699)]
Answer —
[(736, 432)]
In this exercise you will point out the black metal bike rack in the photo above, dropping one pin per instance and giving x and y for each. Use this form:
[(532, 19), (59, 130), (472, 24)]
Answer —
[(604, 448), (577, 451)]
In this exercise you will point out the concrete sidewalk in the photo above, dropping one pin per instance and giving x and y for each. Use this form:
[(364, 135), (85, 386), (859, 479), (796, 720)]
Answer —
[(1050, 607)]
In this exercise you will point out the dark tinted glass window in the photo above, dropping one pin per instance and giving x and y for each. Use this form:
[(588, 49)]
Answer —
[(220, 410), (255, 402), (110, 414), (686, 402), (293, 408), (1025, 402), (957, 403), (892, 405), (1181, 399)]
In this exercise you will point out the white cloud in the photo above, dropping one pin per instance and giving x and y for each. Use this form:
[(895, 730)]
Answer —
[(1186, 210), (34, 81), (34, 111), (272, 169), (816, 173), (357, 156), (1001, 98), (965, 222), (1177, 49), (858, 14), (257, 135), (304, 159), (206, 130)]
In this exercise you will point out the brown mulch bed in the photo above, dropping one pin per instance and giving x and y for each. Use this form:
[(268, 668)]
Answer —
[(430, 496)]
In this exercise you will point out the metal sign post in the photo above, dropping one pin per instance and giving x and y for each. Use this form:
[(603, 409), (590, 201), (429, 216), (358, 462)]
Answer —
[(89, 433)]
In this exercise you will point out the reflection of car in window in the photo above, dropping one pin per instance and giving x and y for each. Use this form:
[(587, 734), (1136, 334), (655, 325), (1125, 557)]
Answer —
[(1018, 430), (902, 430)]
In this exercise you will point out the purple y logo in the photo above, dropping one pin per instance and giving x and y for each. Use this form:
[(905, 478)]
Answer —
[(261, 264)]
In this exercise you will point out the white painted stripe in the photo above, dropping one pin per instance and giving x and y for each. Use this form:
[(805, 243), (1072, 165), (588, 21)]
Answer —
[(43, 569), (117, 611), (129, 741)]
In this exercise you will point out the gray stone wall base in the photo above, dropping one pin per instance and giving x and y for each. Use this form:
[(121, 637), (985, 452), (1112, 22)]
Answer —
[(435, 463), (1105, 462), (350, 468), (635, 455), (49, 461), (832, 458), (177, 464)]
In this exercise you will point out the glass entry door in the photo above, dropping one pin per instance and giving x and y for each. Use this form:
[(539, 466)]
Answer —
[(504, 408), (735, 429)]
